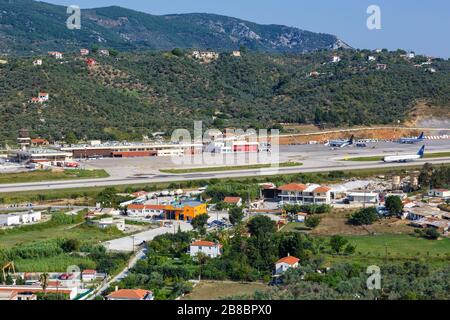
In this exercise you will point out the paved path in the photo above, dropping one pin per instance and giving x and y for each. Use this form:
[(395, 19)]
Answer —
[(126, 243), (123, 274)]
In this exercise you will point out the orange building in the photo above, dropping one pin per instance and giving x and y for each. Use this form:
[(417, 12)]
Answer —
[(185, 210)]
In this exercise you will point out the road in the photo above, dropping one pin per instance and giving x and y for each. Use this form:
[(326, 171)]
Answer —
[(122, 274), (315, 158), (129, 243)]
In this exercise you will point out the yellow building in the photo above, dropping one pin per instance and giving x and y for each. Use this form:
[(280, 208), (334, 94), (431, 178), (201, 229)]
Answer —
[(185, 211)]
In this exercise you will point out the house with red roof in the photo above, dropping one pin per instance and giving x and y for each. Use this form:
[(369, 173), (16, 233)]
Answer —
[(130, 294), (295, 193), (235, 201), (208, 248), (285, 264)]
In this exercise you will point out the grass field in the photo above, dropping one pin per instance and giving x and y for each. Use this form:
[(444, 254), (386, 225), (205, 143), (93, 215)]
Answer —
[(57, 263), (215, 290), (47, 175), (400, 245), (230, 168), (380, 158), (17, 236), (380, 249)]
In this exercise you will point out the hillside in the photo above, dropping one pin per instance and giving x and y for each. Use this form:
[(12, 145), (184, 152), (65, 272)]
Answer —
[(125, 96), (27, 26)]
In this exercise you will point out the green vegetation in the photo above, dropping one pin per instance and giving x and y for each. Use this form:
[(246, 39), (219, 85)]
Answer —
[(127, 96), (143, 31), (394, 205), (60, 225), (230, 168), (400, 281), (48, 175), (400, 247), (366, 216), (307, 208), (435, 176), (312, 221)]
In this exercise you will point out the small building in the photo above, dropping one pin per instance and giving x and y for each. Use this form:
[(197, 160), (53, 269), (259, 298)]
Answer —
[(37, 62), (381, 66), (439, 193), (38, 142), (103, 52), (336, 59), (235, 201), (43, 96), (205, 56), (208, 248), (300, 217), (146, 210), (285, 264), (9, 220), (30, 217), (55, 54), (371, 58), (88, 275), (363, 197), (418, 213), (91, 62), (84, 52), (236, 54), (29, 290), (106, 223), (130, 294)]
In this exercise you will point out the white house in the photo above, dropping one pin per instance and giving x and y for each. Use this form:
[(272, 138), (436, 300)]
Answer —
[(9, 219), (236, 54), (30, 217), (439, 193), (285, 264), (84, 52), (103, 52), (336, 59), (371, 58), (305, 194), (88, 275), (56, 54), (208, 248), (110, 222), (43, 96), (363, 197), (37, 62)]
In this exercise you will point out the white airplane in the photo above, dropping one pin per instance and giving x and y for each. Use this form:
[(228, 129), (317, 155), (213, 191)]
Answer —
[(413, 140), (341, 143), (406, 157)]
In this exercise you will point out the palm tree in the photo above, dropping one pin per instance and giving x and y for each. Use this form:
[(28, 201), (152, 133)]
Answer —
[(43, 279)]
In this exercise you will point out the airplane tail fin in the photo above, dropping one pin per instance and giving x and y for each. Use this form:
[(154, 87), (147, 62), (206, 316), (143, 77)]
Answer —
[(422, 136), (352, 138), (421, 152)]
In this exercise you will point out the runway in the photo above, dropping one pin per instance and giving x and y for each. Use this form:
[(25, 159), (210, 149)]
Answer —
[(315, 158)]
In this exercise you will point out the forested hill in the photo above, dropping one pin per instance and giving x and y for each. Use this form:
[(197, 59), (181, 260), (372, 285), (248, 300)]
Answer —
[(27, 25), (126, 95)]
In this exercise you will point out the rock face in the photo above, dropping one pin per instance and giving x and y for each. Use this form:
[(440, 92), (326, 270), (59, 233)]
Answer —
[(37, 26)]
